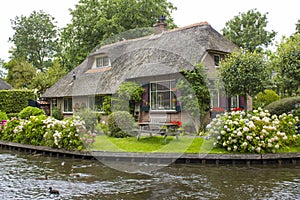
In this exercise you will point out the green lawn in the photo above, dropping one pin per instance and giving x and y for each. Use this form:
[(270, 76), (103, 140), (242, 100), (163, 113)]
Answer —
[(185, 144)]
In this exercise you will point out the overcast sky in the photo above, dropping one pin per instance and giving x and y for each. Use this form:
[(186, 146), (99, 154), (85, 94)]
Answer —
[(282, 15)]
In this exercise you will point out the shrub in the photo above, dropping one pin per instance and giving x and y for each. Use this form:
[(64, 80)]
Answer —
[(30, 131), (265, 98), (56, 113), (257, 132), (12, 115), (281, 106), (120, 124), (30, 111), (69, 133), (3, 116), (102, 128), (89, 117)]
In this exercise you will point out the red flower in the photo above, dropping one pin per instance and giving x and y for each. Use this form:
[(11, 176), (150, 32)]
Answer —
[(237, 109), (218, 109), (178, 123)]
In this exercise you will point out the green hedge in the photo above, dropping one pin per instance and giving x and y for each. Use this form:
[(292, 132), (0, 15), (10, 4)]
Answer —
[(13, 101), (281, 106)]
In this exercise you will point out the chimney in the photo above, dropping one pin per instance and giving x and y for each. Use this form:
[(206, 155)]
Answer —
[(160, 26), (74, 75)]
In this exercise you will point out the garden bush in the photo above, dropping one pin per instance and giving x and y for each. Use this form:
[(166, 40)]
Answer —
[(29, 111), (120, 124), (89, 117), (3, 116), (57, 114), (69, 133), (256, 132), (265, 98), (12, 115), (285, 105)]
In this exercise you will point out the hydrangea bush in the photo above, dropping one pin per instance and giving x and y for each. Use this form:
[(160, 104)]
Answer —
[(256, 132), (69, 133)]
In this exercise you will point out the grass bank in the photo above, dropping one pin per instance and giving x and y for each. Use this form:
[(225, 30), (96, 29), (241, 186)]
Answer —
[(155, 144), (185, 144)]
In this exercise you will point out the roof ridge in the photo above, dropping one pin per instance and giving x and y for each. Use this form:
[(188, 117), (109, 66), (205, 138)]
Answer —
[(189, 26), (149, 36)]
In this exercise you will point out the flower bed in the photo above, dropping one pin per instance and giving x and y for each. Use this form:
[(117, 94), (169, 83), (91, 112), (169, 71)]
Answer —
[(256, 132), (69, 133)]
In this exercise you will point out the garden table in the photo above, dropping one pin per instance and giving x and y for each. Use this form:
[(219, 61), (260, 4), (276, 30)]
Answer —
[(163, 128)]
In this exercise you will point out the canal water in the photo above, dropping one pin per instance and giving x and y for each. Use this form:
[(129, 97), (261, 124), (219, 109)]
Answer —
[(90, 179)]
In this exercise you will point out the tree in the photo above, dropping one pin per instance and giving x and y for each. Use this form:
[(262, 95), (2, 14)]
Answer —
[(94, 20), (248, 30), (286, 60), (298, 26), (35, 39), (2, 70), (244, 73), (20, 73), (45, 80), (195, 97), (127, 96)]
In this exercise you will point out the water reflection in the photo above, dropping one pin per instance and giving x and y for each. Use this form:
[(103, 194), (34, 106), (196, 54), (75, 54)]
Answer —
[(19, 174)]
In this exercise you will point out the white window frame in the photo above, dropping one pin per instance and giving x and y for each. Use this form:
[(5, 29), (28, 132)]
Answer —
[(159, 98), (67, 110), (99, 61), (237, 99)]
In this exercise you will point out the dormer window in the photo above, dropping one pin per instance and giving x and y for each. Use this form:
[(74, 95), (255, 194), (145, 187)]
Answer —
[(102, 61)]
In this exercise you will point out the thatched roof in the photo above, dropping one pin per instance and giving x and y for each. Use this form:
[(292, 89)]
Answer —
[(4, 85), (153, 55)]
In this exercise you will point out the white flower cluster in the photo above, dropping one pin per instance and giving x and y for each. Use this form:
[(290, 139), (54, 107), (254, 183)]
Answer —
[(257, 131)]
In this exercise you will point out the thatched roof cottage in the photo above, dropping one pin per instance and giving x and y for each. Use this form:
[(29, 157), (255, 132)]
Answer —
[(154, 61)]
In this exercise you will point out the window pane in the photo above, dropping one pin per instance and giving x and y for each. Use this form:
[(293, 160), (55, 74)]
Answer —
[(153, 86), (65, 105), (214, 98), (69, 104), (163, 100), (98, 103), (217, 60), (99, 62), (154, 105), (173, 101), (105, 61), (92, 103), (163, 86)]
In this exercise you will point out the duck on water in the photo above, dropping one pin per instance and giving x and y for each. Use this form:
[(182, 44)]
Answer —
[(51, 191)]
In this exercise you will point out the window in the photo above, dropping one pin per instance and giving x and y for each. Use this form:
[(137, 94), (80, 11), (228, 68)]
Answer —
[(163, 96), (102, 61), (96, 103), (235, 103), (215, 97), (216, 60), (54, 102), (68, 104)]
